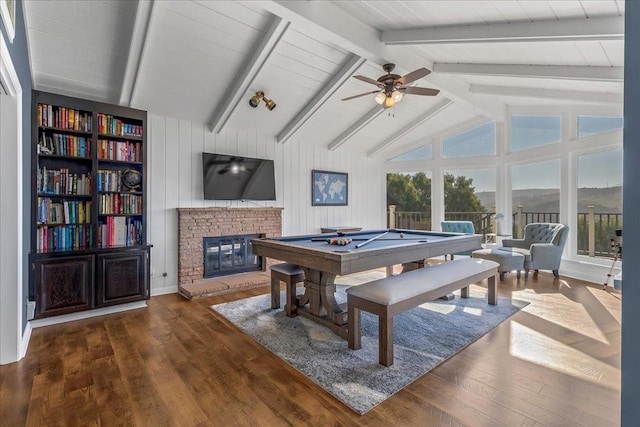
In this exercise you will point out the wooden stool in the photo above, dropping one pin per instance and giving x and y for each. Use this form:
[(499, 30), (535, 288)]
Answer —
[(290, 274)]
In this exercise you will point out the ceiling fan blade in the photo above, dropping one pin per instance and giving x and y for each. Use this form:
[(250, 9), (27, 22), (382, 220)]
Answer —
[(358, 96), (413, 76), (368, 80), (420, 91)]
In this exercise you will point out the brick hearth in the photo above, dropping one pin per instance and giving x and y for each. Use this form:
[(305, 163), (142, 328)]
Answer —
[(196, 223)]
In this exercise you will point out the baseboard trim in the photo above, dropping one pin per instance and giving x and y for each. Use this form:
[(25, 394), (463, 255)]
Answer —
[(38, 323), (24, 343), (164, 290)]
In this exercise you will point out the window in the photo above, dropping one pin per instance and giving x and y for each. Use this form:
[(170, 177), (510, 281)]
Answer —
[(591, 125), (534, 131), (479, 141), (535, 193), (470, 195), (411, 195), (422, 153), (599, 186)]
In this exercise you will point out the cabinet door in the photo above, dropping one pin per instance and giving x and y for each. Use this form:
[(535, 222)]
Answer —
[(122, 277), (63, 285)]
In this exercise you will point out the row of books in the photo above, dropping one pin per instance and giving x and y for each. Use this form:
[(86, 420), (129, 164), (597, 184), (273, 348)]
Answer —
[(51, 212), (118, 204), (110, 180), (110, 125), (64, 238), (63, 118), (118, 231), (120, 150), (64, 145), (53, 181)]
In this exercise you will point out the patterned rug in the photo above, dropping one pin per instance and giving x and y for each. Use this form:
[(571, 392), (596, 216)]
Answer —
[(423, 338)]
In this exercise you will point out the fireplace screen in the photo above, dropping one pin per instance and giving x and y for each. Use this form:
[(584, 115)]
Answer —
[(229, 255)]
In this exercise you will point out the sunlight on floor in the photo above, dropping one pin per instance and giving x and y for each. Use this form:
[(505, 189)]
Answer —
[(540, 349)]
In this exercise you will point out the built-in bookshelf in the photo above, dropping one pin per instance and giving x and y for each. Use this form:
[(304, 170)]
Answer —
[(88, 243)]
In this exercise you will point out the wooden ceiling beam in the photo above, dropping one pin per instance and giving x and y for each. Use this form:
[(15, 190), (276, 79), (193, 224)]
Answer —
[(576, 29), (431, 113), (561, 95), (337, 80), (139, 36), (563, 72), (247, 73), (356, 127)]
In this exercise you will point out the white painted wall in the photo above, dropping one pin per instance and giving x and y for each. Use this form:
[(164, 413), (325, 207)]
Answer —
[(175, 180)]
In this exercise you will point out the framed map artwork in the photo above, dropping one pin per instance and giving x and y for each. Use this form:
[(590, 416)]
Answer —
[(329, 188)]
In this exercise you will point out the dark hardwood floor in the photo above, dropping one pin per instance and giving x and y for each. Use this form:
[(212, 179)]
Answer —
[(178, 363)]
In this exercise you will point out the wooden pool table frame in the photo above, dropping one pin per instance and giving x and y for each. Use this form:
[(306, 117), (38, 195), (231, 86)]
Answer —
[(322, 264)]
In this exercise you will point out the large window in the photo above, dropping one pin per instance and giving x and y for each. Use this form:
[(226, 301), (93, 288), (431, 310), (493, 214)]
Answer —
[(410, 193), (422, 153), (592, 125), (535, 193), (599, 201), (479, 141), (470, 195), (534, 131)]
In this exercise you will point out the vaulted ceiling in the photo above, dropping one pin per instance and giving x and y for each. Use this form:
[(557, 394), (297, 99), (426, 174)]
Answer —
[(202, 61)]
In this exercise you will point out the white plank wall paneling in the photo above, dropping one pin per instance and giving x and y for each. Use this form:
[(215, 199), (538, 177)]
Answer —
[(175, 180)]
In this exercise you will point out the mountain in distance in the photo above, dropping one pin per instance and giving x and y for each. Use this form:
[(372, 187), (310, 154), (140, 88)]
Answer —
[(605, 200)]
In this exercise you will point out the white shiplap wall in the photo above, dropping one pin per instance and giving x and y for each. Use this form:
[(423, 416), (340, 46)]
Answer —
[(175, 180)]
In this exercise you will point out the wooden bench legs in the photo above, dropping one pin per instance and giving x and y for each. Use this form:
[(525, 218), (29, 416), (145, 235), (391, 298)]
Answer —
[(385, 320)]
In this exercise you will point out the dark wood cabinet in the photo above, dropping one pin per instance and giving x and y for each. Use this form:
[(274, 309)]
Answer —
[(63, 284), (88, 205), (122, 277)]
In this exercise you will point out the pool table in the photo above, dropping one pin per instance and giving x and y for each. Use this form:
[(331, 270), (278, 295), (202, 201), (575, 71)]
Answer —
[(369, 249)]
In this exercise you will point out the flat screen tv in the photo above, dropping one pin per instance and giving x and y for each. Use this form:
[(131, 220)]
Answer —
[(227, 177)]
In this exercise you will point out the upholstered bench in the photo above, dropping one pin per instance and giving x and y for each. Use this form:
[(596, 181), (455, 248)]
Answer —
[(291, 275), (509, 260), (396, 294)]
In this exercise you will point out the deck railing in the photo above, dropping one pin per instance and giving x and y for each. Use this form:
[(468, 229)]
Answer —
[(594, 233)]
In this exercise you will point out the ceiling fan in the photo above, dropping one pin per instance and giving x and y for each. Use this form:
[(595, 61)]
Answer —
[(392, 87)]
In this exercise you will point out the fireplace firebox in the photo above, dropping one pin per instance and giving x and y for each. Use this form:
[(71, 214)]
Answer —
[(224, 255)]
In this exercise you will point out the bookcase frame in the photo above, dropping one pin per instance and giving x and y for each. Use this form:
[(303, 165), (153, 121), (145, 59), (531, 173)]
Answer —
[(70, 280)]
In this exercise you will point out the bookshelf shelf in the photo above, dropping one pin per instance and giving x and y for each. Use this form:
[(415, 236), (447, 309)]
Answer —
[(88, 240)]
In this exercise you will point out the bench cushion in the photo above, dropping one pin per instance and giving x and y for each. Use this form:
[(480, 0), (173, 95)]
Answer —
[(410, 284)]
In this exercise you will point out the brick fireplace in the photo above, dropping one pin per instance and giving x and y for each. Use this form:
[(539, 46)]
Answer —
[(195, 224)]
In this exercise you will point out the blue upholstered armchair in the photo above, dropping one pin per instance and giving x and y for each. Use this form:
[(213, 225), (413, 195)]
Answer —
[(465, 227), (542, 246)]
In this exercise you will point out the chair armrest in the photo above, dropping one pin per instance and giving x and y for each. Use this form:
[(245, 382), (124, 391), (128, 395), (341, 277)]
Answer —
[(546, 256)]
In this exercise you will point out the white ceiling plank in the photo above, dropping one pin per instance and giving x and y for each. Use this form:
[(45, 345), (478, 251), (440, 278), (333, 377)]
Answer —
[(563, 95), (612, 74), (600, 28), (356, 127), (440, 106), (327, 21), (136, 50), (228, 103), (338, 79)]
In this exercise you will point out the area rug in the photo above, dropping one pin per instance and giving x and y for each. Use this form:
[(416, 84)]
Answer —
[(423, 338)]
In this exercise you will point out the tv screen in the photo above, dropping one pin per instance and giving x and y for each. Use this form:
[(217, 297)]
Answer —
[(229, 177)]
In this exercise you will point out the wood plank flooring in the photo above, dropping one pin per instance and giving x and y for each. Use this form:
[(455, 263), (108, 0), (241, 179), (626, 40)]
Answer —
[(178, 363)]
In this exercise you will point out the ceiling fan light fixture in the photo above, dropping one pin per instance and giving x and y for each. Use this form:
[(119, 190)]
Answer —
[(389, 102), (380, 97), (397, 95)]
